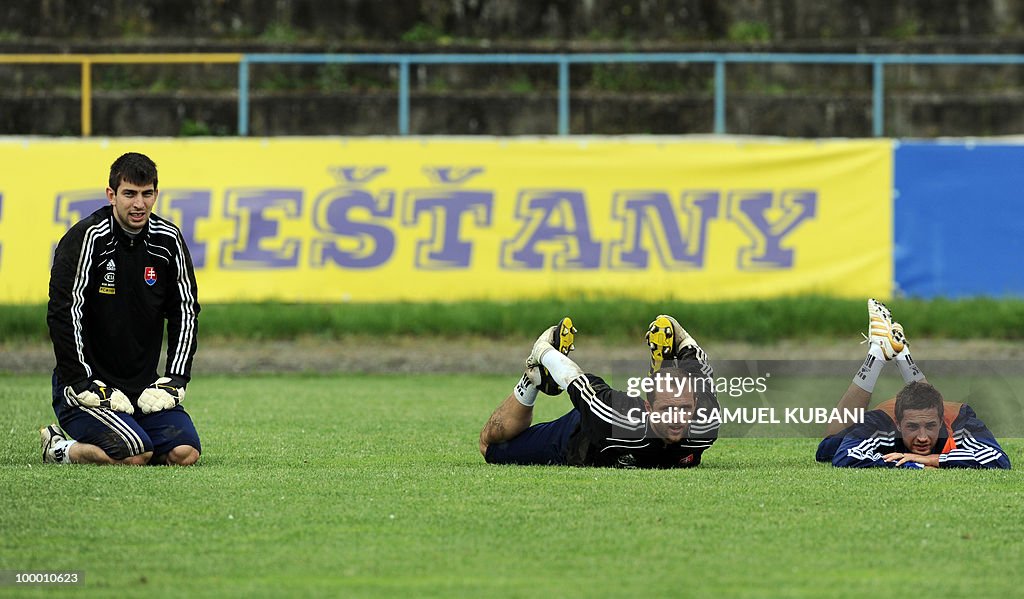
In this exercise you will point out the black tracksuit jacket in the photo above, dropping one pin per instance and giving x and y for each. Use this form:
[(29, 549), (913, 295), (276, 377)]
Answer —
[(110, 294)]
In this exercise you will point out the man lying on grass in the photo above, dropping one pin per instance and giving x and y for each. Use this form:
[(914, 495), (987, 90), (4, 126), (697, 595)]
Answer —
[(917, 429), (606, 427)]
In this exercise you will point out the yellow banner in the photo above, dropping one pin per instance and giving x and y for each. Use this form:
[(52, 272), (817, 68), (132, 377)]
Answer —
[(327, 220)]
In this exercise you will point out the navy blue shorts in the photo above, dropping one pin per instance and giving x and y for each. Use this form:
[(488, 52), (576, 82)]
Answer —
[(122, 435), (828, 447), (546, 444)]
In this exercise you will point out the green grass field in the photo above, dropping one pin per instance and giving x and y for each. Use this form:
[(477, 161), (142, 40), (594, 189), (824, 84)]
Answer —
[(372, 486), (758, 321)]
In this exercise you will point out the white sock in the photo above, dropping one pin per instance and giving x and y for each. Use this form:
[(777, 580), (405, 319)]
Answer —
[(525, 391), (867, 376), (62, 450), (562, 369), (909, 369)]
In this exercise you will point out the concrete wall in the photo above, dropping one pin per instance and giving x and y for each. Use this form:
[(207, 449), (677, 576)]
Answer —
[(533, 20), (803, 100)]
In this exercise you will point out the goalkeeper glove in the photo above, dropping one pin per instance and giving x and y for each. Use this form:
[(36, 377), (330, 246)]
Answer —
[(96, 394), (163, 394)]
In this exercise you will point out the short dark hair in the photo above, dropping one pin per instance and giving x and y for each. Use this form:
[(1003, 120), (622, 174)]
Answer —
[(702, 384), (918, 395), (134, 168)]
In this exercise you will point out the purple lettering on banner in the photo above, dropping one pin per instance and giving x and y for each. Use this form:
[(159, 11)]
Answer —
[(450, 174), (766, 219), (555, 229), (73, 206), (186, 206), (356, 174), (257, 214), (445, 248), (369, 242), (648, 218)]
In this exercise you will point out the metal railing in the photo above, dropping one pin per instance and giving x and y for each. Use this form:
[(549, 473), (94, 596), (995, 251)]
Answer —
[(87, 60), (563, 62)]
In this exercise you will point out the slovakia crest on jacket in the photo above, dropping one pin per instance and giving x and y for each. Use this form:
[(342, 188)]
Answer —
[(150, 275)]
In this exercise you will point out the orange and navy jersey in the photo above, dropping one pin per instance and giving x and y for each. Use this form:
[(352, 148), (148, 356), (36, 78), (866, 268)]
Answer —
[(964, 443)]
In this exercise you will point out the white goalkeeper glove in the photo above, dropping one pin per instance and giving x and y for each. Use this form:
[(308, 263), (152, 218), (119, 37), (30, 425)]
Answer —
[(99, 395), (163, 394)]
